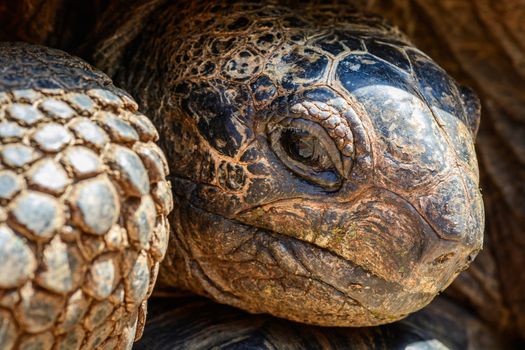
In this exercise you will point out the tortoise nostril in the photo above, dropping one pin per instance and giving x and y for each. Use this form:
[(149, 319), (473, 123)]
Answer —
[(472, 256), (443, 258)]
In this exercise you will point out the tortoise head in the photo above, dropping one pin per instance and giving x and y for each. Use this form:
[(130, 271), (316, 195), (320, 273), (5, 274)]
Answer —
[(324, 173)]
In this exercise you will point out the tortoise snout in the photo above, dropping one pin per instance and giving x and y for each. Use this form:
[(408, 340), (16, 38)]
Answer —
[(455, 210)]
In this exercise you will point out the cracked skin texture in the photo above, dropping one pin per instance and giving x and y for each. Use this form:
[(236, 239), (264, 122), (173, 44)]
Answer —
[(323, 168)]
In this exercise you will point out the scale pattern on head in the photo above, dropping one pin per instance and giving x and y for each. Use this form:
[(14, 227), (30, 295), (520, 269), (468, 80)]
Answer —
[(83, 205), (323, 168)]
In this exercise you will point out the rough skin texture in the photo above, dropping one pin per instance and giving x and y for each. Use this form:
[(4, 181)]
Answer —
[(83, 205), (323, 168)]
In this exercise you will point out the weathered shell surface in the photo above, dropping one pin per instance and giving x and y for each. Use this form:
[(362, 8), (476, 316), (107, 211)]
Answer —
[(74, 270)]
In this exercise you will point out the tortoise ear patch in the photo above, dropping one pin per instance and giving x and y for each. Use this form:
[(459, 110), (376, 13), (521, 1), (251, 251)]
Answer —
[(472, 108)]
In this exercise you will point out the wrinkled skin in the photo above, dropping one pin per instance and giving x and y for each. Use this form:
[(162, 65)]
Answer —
[(323, 168)]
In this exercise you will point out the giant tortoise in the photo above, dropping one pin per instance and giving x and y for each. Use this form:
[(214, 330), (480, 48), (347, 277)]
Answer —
[(322, 170)]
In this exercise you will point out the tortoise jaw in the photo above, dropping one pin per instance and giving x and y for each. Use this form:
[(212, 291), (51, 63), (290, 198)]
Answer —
[(261, 270), (378, 230)]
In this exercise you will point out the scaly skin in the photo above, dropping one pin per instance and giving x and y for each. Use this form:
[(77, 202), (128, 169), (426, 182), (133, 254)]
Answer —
[(323, 168), (83, 205)]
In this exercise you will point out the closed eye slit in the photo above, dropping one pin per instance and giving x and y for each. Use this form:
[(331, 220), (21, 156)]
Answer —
[(308, 151)]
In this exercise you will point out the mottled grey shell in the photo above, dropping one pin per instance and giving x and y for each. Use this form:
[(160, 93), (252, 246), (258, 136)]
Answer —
[(83, 205)]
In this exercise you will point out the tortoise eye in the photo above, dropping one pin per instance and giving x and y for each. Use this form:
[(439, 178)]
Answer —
[(308, 151), (306, 148)]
